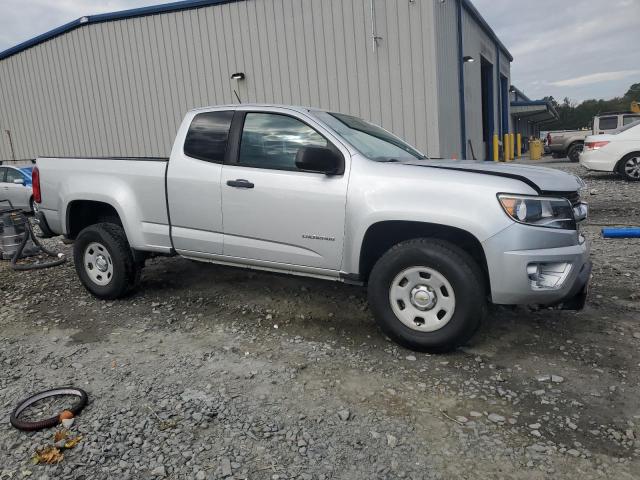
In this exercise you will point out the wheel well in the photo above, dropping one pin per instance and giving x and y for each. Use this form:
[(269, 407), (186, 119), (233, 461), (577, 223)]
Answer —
[(619, 163), (83, 213), (381, 236), (576, 142)]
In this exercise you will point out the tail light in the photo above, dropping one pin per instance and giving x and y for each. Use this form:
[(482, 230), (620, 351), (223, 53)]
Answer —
[(548, 139), (35, 181), (594, 145)]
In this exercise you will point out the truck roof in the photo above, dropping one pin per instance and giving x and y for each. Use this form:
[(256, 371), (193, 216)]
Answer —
[(616, 113), (256, 105)]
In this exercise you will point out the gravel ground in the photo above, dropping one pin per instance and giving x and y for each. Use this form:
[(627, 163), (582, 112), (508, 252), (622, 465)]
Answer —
[(210, 372)]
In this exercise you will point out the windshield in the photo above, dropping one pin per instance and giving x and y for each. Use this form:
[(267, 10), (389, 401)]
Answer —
[(369, 139), (628, 127)]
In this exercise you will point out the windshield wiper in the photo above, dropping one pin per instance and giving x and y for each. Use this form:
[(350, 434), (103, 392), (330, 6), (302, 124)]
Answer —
[(397, 160)]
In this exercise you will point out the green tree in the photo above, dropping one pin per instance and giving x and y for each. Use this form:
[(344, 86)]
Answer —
[(574, 116)]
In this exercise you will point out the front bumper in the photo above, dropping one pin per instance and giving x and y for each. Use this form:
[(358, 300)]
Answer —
[(577, 296), (510, 282)]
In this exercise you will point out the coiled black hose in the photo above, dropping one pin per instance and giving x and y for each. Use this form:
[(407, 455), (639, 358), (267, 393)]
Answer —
[(28, 234)]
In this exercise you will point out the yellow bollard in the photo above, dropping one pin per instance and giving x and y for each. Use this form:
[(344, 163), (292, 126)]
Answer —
[(519, 145), (496, 157), (505, 148), (512, 147)]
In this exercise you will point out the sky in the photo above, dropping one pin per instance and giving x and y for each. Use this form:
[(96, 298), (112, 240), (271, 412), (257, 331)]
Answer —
[(579, 49), (565, 48)]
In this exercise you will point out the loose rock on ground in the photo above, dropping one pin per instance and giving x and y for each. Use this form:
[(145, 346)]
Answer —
[(209, 372)]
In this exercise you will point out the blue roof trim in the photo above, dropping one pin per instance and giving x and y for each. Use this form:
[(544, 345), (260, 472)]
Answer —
[(184, 5), (105, 17), (40, 38), (485, 26)]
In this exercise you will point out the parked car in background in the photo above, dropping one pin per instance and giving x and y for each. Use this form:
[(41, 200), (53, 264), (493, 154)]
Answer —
[(614, 152), (15, 186), (327, 195), (569, 143)]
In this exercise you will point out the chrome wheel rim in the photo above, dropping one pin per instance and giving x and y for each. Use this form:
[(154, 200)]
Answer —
[(632, 167), (98, 264), (422, 299)]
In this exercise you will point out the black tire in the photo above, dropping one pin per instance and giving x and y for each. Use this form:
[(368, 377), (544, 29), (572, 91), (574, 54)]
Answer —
[(458, 268), (31, 426), (574, 152), (126, 272), (622, 167)]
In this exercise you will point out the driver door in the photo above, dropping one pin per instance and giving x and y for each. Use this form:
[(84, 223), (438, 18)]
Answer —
[(273, 212)]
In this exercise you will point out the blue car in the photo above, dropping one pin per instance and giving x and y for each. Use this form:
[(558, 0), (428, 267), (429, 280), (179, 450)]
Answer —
[(27, 175)]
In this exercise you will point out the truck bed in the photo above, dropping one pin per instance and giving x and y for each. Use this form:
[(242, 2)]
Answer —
[(135, 184)]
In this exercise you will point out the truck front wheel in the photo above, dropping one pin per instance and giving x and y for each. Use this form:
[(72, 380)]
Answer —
[(104, 261), (427, 295)]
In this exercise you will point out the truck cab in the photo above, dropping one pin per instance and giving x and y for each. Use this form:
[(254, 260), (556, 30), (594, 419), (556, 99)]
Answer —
[(611, 122)]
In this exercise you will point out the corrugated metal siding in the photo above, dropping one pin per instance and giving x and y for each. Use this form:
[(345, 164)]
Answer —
[(505, 70), (476, 43), (446, 41), (122, 87)]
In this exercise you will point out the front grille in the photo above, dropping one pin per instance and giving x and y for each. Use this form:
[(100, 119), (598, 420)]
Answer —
[(573, 197)]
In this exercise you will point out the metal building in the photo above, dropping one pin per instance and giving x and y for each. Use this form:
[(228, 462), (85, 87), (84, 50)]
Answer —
[(528, 116), (431, 71)]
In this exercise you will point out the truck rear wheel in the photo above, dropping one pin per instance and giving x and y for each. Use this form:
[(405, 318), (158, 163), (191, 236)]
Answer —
[(104, 261), (574, 152), (427, 295)]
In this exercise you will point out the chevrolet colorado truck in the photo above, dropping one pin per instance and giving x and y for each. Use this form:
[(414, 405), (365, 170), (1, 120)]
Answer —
[(320, 194)]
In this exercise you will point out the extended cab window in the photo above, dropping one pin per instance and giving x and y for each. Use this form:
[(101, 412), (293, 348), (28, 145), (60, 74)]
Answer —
[(608, 123), (270, 140), (207, 136), (627, 119)]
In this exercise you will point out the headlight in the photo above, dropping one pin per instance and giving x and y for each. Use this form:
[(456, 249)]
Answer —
[(539, 211)]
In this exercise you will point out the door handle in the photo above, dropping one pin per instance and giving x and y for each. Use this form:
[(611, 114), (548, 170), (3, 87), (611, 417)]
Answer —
[(240, 183)]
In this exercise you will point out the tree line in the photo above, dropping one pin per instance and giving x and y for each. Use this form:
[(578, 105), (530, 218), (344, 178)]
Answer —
[(573, 116)]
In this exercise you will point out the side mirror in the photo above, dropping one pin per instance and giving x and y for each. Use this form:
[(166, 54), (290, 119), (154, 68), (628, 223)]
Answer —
[(19, 181), (321, 160)]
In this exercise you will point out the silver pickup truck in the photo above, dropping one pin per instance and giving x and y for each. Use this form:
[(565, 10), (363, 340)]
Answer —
[(327, 195)]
